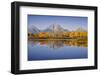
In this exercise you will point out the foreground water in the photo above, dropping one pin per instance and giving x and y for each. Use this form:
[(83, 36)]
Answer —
[(56, 49)]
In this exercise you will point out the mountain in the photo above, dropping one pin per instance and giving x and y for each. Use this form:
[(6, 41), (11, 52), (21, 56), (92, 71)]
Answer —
[(55, 28), (33, 29), (80, 29)]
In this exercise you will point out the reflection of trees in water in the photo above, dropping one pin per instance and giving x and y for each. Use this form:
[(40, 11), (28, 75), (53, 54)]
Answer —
[(57, 43)]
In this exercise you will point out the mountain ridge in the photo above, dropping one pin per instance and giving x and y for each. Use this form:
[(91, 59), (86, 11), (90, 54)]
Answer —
[(52, 28)]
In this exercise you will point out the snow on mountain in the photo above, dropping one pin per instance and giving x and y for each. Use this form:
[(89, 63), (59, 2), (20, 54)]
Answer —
[(55, 28), (33, 29)]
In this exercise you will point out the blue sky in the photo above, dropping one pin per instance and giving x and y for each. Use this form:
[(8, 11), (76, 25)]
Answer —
[(67, 22)]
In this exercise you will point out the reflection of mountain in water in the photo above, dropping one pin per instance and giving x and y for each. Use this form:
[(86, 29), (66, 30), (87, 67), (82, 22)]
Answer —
[(59, 43), (55, 44)]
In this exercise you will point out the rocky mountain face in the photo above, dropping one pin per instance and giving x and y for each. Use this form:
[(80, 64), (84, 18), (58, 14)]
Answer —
[(33, 29), (56, 28)]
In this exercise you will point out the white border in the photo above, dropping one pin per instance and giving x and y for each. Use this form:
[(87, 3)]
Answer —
[(26, 65)]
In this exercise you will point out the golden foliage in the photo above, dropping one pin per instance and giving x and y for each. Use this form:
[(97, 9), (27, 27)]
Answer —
[(63, 35)]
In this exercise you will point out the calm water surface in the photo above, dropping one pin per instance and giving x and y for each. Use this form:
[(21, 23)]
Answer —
[(56, 49)]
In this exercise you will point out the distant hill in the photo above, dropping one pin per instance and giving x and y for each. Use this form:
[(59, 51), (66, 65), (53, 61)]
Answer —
[(80, 29)]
